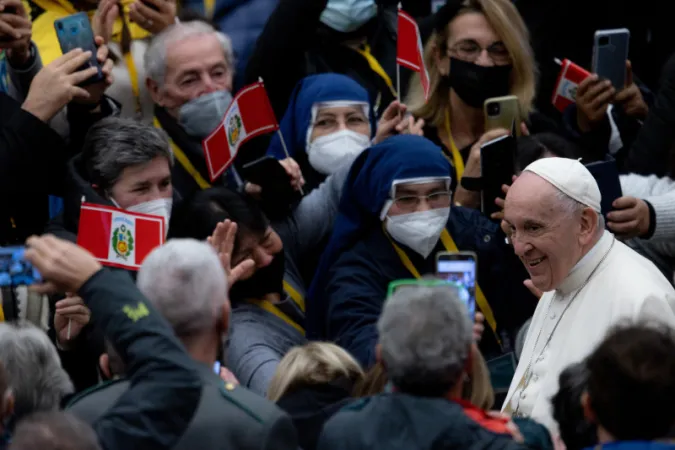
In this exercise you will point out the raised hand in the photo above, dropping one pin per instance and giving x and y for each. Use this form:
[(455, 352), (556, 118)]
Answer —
[(222, 241)]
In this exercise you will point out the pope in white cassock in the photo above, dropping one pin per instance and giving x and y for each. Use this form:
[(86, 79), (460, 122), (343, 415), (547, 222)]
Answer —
[(591, 281)]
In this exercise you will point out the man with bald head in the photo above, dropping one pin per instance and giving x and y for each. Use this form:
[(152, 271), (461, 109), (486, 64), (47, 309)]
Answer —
[(590, 280)]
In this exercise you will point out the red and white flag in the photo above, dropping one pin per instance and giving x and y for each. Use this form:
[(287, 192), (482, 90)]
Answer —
[(409, 49), (249, 115), (119, 238), (570, 77)]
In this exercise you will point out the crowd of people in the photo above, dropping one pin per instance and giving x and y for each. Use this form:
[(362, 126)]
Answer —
[(304, 310)]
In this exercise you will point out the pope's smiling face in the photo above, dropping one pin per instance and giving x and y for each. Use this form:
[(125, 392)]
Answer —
[(547, 237)]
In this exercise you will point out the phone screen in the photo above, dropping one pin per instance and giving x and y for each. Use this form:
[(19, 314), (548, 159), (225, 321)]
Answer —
[(461, 270), (14, 269)]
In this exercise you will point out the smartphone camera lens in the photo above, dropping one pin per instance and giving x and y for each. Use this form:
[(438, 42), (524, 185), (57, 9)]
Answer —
[(603, 41), (59, 26), (493, 109)]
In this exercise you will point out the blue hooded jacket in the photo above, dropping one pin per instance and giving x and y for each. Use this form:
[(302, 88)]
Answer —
[(350, 285), (297, 119)]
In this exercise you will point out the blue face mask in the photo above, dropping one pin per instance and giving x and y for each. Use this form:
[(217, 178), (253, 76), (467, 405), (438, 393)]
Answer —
[(348, 15), (201, 115)]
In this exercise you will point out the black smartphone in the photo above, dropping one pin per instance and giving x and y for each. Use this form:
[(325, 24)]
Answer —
[(460, 269), (75, 31), (14, 269), (497, 168), (606, 174)]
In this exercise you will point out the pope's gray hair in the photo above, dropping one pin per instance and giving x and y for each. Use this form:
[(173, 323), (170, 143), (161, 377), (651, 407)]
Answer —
[(34, 370), (573, 208), (155, 56), (185, 281), (425, 336)]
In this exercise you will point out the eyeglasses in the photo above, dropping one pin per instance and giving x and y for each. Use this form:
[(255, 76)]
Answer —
[(469, 50), (409, 203)]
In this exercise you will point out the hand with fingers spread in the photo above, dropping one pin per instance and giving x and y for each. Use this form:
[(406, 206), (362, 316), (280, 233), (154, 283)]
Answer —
[(15, 32), (96, 90), (56, 85), (64, 266), (293, 170), (630, 98), (593, 98), (104, 19), (153, 15), (71, 315), (630, 218), (222, 240)]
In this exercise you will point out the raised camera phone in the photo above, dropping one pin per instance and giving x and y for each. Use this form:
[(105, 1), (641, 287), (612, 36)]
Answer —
[(14, 269), (497, 159), (73, 32), (502, 112), (606, 174), (460, 268), (610, 52)]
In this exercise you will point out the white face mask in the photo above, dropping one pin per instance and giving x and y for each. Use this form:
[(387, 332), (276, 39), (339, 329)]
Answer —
[(158, 207), (328, 153), (420, 231)]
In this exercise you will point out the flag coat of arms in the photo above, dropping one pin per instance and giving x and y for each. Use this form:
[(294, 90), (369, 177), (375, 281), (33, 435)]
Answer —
[(119, 238), (409, 49), (570, 77), (249, 115)]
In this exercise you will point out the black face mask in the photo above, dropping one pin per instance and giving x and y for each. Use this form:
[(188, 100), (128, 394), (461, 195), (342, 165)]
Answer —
[(268, 280), (474, 84)]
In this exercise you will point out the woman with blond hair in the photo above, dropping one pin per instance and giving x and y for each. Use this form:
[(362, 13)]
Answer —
[(312, 382), (480, 49)]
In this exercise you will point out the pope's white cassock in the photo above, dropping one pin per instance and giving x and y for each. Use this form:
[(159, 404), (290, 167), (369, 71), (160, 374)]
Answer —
[(610, 284)]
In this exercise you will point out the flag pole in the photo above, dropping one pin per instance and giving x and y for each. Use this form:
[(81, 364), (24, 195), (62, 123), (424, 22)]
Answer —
[(283, 142)]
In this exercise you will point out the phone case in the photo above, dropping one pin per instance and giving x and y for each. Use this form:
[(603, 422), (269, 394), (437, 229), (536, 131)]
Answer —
[(606, 174), (506, 113), (74, 32), (497, 161), (610, 52)]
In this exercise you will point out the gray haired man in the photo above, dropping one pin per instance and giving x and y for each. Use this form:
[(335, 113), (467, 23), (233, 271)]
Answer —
[(426, 346), (186, 283), (189, 69)]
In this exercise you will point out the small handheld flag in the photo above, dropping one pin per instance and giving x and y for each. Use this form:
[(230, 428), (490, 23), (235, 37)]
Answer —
[(119, 238), (569, 79), (249, 115), (410, 52)]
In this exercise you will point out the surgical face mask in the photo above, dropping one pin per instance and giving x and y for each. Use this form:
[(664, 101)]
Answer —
[(328, 153), (420, 231), (201, 115), (159, 207), (348, 15), (474, 84)]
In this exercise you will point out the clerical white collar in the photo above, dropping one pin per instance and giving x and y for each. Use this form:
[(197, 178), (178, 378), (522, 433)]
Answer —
[(586, 264)]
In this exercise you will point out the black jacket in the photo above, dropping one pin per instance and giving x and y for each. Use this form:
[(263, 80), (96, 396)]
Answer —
[(401, 421), (33, 165), (165, 385)]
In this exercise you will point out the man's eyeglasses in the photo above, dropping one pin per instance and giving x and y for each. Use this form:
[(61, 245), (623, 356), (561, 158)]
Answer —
[(469, 50), (438, 199)]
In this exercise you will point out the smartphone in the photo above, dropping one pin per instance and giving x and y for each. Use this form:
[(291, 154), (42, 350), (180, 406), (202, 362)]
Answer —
[(460, 268), (14, 269), (606, 174), (610, 52), (75, 31), (502, 112), (497, 160)]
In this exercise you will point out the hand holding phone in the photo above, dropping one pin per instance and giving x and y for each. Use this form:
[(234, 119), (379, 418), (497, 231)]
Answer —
[(460, 268), (497, 166), (75, 32), (153, 15), (610, 52), (502, 112)]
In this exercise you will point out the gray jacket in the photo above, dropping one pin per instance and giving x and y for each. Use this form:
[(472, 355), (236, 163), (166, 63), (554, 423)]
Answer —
[(228, 417)]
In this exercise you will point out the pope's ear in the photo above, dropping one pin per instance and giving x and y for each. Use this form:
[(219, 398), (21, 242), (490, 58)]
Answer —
[(590, 221)]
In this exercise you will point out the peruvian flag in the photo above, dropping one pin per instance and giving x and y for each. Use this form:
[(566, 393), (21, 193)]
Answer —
[(119, 238), (565, 91), (409, 49), (249, 115)]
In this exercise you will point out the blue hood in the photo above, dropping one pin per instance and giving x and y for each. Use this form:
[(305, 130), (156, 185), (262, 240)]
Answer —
[(310, 90), (364, 194)]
